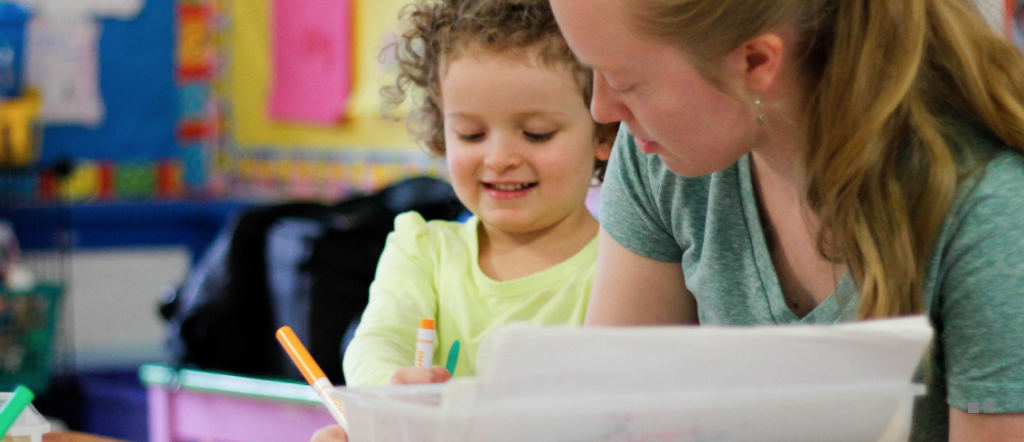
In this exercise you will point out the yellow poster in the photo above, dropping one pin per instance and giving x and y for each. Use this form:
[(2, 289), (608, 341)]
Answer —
[(375, 23)]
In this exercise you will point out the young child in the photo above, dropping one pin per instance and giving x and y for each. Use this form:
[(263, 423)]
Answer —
[(506, 103)]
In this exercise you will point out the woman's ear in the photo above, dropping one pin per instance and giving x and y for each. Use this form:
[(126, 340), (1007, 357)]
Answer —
[(757, 62)]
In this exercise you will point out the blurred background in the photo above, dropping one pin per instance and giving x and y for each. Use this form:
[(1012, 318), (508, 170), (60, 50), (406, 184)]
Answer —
[(180, 177)]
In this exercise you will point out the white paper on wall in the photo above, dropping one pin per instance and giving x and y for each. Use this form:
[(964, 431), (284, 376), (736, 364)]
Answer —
[(63, 64), (994, 12), (119, 9), (1018, 25)]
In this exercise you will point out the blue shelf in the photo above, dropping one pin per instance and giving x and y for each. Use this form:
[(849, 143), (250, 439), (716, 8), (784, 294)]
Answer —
[(124, 224)]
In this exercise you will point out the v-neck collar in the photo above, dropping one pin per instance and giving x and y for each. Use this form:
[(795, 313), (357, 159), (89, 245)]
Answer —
[(835, 308)]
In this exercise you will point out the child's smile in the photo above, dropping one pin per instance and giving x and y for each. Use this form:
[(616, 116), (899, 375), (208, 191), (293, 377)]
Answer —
[(508, 190)]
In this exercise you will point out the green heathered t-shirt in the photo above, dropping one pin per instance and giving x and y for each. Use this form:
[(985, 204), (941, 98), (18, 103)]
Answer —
[(974, 288)]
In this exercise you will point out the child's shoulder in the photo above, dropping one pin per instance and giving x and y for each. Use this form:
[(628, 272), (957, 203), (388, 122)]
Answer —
[(412, 226)]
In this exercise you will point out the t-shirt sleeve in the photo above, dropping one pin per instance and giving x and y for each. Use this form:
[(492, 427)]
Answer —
[(402, 293), (629, 211), (982, 294)]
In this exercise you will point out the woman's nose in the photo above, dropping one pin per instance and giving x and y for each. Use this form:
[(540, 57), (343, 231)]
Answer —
[(605, 107)]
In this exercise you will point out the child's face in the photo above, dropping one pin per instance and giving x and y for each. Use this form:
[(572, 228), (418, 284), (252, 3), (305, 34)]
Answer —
[(519, 140)]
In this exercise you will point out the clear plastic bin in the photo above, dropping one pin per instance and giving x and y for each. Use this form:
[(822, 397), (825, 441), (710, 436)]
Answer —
[(425, 414), (30, 425), (848, 382)]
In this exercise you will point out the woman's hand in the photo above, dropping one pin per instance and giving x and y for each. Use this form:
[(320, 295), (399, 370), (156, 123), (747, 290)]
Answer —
[(420, 375), (333, 433)]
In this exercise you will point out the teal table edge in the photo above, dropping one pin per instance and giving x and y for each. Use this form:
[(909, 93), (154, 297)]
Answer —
[(153, 375)]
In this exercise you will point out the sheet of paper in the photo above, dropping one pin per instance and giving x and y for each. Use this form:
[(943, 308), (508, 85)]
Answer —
[(62, 63), (528, 361), (312, 60)]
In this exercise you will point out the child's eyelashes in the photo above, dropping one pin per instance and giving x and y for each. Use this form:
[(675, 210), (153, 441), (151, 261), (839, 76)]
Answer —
[(539, 137), (533, 137)]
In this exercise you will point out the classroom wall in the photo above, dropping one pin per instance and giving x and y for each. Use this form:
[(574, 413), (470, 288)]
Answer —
[(109, 316), (113, 301)]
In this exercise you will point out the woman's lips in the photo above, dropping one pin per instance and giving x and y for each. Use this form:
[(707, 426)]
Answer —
[(645, 146)]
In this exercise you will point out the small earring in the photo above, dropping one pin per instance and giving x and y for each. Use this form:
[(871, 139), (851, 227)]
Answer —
[(760, 111)]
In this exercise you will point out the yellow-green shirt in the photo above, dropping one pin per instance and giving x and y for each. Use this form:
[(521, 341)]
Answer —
[(431, 270)]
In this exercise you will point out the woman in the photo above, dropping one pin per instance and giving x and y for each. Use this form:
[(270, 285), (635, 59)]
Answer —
[(815, 161)]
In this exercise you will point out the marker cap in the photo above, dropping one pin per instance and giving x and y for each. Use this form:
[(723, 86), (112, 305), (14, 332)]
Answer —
[(427, 323)]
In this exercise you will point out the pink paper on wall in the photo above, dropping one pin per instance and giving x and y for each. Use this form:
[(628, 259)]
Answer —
[(312, 60)]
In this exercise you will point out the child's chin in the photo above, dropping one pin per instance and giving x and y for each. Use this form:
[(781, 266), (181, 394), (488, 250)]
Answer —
[(510, 224)]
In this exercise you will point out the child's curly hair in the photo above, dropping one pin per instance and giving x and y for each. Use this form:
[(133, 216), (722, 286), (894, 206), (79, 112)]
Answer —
[(438, 30)]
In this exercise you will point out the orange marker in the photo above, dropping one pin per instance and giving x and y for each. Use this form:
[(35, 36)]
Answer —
[(314, 375), (426, 336)]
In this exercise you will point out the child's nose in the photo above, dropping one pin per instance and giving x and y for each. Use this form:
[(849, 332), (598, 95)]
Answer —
[(503, 154)]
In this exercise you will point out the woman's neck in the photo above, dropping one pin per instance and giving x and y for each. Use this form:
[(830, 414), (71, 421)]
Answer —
[(778, 154), (507, 255), (791, 227)]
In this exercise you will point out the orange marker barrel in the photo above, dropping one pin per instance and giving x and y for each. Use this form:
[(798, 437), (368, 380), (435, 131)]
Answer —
[(426, 337), (300, 356), (312, 372)]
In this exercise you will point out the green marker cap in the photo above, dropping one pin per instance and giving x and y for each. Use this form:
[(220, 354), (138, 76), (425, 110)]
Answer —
[(22, 397), (453, 358)]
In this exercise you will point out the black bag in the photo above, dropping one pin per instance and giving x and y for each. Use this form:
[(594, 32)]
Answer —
[(305, 265)]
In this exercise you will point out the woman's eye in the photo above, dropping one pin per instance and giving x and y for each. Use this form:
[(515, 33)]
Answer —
[(539, 137), (621, 89), (471, 137), (617, 85)]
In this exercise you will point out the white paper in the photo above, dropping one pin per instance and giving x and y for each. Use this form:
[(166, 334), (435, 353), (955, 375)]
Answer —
[(994, 12), (533, 360), (1018, 32), (119, 9), (796, 383), (63, 64)]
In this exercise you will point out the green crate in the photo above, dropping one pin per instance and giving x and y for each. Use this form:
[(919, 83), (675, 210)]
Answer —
[(28, 325)]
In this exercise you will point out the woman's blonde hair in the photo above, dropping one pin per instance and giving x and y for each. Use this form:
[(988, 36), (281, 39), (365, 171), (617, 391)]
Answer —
[(885, 79)]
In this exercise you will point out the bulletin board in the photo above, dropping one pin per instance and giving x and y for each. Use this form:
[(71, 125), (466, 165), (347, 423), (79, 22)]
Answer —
[(136, 78), (131, 153), (373, 22), (361, 152), (186, 86), (174, 132)]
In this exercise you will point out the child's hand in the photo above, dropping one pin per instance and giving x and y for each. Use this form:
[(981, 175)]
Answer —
[(333, 433), (420, 375)]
